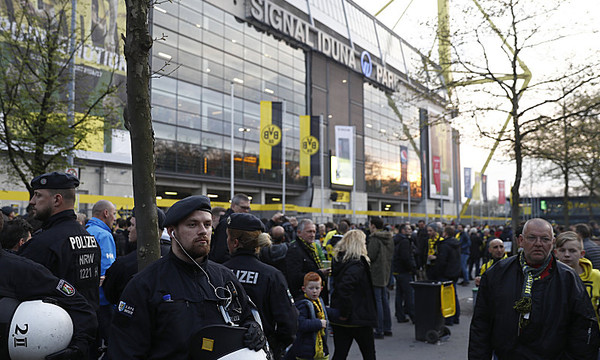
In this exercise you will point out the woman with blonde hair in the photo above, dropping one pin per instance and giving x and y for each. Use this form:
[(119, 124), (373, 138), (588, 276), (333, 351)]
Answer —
[(352, 297)]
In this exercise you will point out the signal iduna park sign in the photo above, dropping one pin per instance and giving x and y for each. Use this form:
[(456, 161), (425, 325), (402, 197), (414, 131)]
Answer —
[(292, 27)]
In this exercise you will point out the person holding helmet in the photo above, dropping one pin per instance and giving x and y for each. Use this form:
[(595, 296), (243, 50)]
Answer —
[(165, 309), (24, 280)]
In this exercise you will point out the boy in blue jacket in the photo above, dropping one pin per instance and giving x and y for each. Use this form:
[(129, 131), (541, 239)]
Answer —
[(311, 339)]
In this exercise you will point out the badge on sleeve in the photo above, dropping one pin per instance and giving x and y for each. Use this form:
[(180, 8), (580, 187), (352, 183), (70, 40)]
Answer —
[(125, 309), (65, 288)]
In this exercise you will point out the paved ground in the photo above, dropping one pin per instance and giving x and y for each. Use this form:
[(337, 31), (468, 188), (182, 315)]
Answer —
[(402, 345)]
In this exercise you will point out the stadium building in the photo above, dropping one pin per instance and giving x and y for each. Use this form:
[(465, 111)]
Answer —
[(378, 107)]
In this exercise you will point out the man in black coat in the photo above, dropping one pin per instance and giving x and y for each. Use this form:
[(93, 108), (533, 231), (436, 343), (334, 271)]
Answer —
[(302, 258), (265, 285), (446, 265), (403, 267), (125, 267), (218, 246), (165, 307), (531, 306)]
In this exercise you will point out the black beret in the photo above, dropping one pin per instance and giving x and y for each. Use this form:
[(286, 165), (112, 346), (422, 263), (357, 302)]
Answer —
[(55, 180), (159, 213), (181, 209), (6, 210), (244, 221)]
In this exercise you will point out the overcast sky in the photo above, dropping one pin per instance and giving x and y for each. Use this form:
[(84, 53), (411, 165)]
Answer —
[(578, 21)]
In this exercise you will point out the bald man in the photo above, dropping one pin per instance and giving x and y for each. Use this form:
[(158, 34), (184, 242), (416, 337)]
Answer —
[(496, 250), (100, 225)]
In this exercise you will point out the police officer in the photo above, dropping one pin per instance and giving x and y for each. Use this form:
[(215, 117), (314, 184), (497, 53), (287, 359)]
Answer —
[(24, 280), (62, 245), (164, 307), (265, 285)]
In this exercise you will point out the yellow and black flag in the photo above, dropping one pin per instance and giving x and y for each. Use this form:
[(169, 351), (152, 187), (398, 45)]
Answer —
[(271, 114), (309, 146)]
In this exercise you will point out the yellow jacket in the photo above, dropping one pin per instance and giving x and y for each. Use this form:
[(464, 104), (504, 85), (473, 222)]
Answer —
[(591, 280)]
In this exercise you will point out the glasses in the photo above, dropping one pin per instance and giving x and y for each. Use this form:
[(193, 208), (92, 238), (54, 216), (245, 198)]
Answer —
[(532, 239), (244, 207)]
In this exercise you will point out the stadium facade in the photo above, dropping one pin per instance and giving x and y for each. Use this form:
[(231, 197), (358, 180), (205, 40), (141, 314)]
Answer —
[(381, 103)]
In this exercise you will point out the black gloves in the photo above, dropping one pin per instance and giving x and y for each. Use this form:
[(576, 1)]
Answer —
[(70, 353), (254, 338)]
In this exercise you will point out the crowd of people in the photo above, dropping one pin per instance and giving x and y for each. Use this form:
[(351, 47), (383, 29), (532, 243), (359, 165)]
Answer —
[(228, 281)]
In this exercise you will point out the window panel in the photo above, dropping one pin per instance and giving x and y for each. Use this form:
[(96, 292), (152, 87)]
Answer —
[(164, 131)]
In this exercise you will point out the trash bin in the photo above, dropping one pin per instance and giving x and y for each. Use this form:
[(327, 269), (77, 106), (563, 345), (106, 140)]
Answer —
[(429, 320)]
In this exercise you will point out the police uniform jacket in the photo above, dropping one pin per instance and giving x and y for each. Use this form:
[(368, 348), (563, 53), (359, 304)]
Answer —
[(163, 306), (268, 289), (69, 252), (562, 322), (25, 280)]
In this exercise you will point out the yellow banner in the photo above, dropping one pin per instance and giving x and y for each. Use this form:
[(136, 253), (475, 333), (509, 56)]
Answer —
[(266, 117), (270, 132), (304, 155), (477, 187)]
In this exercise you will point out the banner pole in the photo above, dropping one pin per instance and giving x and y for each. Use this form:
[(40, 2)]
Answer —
[(232, 177), (283, 156), (321, 168)]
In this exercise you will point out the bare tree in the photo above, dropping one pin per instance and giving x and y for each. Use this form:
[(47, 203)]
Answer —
[(567, 141), (588, 167), (488, 65), (35, 54), (138, 120)]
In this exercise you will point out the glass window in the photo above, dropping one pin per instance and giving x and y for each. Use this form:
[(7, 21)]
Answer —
[(212, 97), (166, 20), (213, 12), (190, 15), (164, 131), (191, 120), (188, 136), (164, 83), (164, 98), (189, 90), (163, 114), (192, 46), (213, 40), (165, 52), (212, 140), (212, 68), (189, 74), (170, 37), (187, 104)]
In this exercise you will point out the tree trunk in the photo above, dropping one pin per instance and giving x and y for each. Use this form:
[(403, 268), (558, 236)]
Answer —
[(514, 191), (138, 121)]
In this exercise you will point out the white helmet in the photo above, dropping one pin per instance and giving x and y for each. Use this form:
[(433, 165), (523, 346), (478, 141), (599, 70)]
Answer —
[(35, 329)]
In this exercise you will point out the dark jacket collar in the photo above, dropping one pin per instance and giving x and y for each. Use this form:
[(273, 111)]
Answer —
[(59, 217), (187, 266)]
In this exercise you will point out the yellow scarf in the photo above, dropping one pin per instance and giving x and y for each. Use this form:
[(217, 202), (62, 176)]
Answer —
[(319, 314), (432, 245)]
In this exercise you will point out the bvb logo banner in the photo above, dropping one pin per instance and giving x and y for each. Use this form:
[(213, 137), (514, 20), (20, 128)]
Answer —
[(271, 135), (310, 145)]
